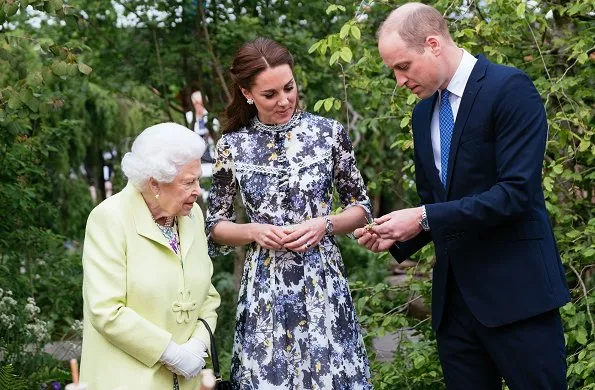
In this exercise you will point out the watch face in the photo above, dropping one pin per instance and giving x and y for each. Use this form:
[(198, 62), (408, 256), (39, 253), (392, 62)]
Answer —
[(329, 226)]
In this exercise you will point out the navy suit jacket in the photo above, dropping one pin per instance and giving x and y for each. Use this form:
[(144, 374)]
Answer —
[(490, 224)]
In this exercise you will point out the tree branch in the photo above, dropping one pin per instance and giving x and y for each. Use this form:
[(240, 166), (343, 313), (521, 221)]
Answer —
[(586, 296), (211, 51)]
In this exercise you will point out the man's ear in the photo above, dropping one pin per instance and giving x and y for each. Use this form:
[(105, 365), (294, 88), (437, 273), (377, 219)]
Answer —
[(434, 44)]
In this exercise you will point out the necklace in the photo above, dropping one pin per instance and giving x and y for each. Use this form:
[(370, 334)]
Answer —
[(168, 222), (258, 125), (172, 236)]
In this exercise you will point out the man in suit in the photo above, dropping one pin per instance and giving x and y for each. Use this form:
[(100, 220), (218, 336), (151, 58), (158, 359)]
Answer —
[(479, 137)]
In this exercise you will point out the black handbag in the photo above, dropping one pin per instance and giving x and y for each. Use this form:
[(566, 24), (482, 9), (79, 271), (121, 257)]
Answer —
[(220, 383)]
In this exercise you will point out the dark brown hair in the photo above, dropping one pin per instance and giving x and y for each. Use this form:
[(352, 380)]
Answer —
[(250, 60)]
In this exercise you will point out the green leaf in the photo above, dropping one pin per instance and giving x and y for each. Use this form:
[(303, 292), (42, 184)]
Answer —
[(331, 8), (548, 183), (49, 7), (14, 102), (344, 30), (85, 69), (34, 79), (520, 9), (314, 46), (328, 104), (318, 105), (346, 54), (60, 68), (356, 32), (404, 122), (581, 336), (573, 234), (57, 4), (337, 104), (582, 58), (11, 8), (334, 57), (411, 99)]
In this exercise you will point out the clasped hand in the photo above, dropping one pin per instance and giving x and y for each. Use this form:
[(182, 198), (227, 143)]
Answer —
[(397, 226), (186, 359), (298, 238)]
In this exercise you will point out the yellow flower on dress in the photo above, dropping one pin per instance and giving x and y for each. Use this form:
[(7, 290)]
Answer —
[(273, 157), (318, 366)]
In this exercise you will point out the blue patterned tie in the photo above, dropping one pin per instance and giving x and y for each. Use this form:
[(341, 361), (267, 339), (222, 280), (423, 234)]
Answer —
[(447, 125)]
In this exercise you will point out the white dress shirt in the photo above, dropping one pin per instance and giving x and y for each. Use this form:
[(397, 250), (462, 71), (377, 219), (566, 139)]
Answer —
[(456, 87)]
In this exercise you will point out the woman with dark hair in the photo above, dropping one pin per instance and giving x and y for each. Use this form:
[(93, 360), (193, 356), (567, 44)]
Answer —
[(296, 325)]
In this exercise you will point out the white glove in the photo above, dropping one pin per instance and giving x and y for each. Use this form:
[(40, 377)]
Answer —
[(186, 359), (196, 346)]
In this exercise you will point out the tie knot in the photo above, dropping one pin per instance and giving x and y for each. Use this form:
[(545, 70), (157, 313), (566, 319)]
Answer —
[(445, 94)]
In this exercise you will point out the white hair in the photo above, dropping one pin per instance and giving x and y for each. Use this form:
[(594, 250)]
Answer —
[(159, 151)]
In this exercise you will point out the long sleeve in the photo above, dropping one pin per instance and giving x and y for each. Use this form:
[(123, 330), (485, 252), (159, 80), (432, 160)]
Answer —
[(348, 179), (104, 290), (221, 196)]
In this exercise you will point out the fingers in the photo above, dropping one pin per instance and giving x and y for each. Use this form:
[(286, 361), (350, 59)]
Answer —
[(381, 220), (357, 233), (302, 244), (383, 230), (367, 240)]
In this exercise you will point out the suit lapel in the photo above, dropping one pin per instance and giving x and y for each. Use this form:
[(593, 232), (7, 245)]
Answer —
[(471, 89), (145, 226), (187, 233)]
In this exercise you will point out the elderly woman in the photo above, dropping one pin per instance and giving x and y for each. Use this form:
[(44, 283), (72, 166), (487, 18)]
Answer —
[(147, 273)]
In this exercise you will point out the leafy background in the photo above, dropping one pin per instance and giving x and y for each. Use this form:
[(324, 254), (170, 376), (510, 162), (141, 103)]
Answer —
[(80, 77)]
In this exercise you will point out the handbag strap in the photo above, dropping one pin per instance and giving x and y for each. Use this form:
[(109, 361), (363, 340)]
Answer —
[(214, 356)]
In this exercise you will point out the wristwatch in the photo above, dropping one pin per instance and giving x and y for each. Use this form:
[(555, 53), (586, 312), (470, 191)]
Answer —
[(424, 219), (329, 228)]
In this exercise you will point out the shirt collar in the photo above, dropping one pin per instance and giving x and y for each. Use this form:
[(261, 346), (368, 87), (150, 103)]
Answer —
[(459, 80)]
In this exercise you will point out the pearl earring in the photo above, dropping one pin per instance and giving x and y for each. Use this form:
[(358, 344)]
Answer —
[(249, 101), (156, 196)]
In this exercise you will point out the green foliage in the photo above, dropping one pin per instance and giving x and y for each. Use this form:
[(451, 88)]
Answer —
[(71, 91), (8, 380)]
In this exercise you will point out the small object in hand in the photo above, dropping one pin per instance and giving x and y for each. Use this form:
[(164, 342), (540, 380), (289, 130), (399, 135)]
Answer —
[(369, 226), (308, 245)]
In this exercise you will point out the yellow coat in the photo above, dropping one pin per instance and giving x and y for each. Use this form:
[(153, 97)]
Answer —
[(138, 297)]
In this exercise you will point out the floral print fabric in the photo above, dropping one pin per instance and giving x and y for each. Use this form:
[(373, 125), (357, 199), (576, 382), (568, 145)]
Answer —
[(296, 326)]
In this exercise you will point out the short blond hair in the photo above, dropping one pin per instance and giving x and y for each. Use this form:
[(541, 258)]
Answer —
[(414, 22)]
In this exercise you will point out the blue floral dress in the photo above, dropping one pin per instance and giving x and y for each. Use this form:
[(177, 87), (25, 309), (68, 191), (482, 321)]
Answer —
[(296, 326)]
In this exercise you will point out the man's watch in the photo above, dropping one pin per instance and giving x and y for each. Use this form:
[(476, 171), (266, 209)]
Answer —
[(329, 228), (424, 219)]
